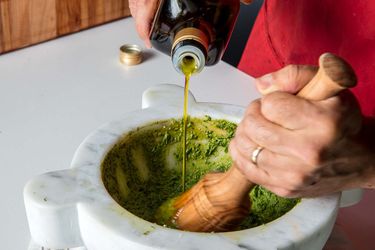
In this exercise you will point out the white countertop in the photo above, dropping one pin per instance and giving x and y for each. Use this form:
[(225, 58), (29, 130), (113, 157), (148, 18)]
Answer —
[(54, 94)]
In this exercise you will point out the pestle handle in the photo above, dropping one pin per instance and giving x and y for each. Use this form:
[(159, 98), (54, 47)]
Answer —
[(334, 75), (220, 201)]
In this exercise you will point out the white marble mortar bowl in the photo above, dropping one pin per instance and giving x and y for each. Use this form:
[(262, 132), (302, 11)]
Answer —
[(72, 208)]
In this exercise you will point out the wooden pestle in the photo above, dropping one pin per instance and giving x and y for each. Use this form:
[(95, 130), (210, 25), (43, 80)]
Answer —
[(220, 201)]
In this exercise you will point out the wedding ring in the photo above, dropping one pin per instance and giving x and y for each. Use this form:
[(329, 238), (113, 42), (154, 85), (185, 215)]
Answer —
[(255, 154)]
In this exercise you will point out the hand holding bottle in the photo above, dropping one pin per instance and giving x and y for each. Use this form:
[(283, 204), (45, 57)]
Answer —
[(143, 12)]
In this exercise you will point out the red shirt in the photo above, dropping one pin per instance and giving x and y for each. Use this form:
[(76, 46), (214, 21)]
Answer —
[(299, 31)]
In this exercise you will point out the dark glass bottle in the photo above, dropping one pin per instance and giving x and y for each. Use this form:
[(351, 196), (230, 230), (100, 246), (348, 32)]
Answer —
[(198, 29)]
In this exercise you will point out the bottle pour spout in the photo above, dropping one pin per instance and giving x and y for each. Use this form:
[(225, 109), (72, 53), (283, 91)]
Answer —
[(190, 47), (190, 56)]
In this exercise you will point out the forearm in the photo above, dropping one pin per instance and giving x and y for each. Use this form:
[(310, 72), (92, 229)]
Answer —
[(367, 139), (368, 133), (353, 159)]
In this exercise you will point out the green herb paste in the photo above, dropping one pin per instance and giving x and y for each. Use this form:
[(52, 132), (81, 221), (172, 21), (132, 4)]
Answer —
[(143, 170)]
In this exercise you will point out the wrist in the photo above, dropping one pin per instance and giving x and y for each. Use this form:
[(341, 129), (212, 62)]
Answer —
[(367, 141), (367, 133)]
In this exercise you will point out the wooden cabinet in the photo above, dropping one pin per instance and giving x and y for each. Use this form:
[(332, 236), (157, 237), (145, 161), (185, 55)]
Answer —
[(26, 22)]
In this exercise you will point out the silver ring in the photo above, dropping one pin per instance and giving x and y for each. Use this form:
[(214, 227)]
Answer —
[(255, 154)]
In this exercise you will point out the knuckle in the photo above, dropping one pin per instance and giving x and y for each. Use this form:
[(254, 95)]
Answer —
[(277, 105), (310, 154), (248, 120), (253, 107), (269, 103), (240, 130), (263, 134), (241, 144), (272, 100), (249, 124), (258, 131), (237, 154), (234, 154)]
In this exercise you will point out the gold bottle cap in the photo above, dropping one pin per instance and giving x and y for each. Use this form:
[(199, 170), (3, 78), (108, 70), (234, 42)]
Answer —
[(130, 54)]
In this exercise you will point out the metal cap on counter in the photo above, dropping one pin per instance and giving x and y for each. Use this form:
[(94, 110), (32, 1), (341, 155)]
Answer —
[(130, 54)]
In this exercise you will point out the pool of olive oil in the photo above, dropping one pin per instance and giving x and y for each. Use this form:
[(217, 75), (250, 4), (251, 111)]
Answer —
[(188, 66)]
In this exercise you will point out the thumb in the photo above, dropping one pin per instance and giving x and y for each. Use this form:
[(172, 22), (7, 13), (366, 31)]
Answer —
[(290, 79)]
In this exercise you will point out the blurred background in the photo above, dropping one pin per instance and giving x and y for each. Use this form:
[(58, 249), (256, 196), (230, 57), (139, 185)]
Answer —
[(245, 22)]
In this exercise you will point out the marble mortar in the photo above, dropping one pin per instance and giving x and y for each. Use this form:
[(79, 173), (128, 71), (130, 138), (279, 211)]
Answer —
[(72, 208)]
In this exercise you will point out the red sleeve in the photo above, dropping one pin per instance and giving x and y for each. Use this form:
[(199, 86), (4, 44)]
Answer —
[(299, 31)]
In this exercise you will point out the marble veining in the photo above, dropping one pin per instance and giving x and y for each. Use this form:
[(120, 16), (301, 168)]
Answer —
[(71, 208)]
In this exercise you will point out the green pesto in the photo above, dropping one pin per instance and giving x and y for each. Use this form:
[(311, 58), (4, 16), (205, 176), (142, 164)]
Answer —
[(143, 169)]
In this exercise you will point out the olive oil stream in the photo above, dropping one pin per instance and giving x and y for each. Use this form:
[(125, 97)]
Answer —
[(188, 66)]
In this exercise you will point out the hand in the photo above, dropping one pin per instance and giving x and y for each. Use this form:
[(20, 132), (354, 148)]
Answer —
[(311, 148), (143, 12)]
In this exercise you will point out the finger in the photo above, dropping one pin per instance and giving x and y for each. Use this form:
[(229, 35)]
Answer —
[(144, 16), (254, 174), (132, 7), (289, 111), (287, 176), (283, 192), (282, 171), (263, 132), (275, 177), (255, 130), (291, 79)]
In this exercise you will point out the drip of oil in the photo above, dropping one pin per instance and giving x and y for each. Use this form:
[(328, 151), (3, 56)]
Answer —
[(188, 66)]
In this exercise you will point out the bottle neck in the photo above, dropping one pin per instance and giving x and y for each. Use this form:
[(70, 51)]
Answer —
[(190, 45), (191, 53)]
